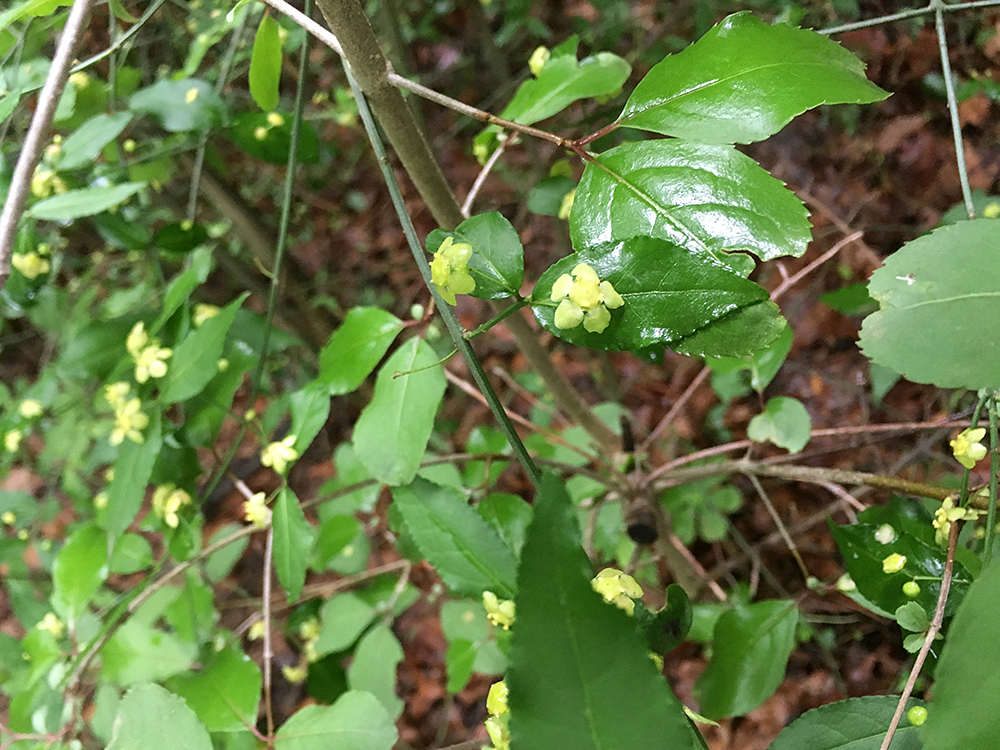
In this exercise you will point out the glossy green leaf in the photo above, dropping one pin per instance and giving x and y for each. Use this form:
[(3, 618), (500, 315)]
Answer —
[(224, 693), (293, 540), (79, 570), (180, 106), (392, 432), (864, 552), (133, 467), (967, 679), (784, 422), (745, 80), (357, 721), (356, 347), (573, 656), (905, 515), (707, 199), (497, 260), (374, 668), (271, 142), (85, 143), (84, 202), (195, 359), (751, 648), (342, 619), (310, 407), (852, 724), (761, 365), (934, 294), (150, 716), (672, 298), (467, 553), (265, 63)]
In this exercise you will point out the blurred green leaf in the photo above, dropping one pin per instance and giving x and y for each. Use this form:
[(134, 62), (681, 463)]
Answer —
[(762, 364), (293, 540), (180, 106), (342, 619), (224, 693), (356, 347), (784, 422), (374, 668), (263, 139), (85, 143), (180, 237), (133, 467), (546, 197), (74, 204), (310, 407), (265, 63), (152, 718), (79, 570), (132, 553), (509, 515), (357, 721)]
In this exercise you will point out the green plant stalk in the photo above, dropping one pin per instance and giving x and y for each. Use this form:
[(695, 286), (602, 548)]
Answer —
[(963, 494), (361, 50), (454, 327), (991, 513), (502, 315)]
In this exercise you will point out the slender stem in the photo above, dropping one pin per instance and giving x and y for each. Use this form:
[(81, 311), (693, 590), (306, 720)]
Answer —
[(991, 513), (773, 512), (268, 652), (963, 494), (932, 631), (956, 124), (481, 178), (502, 315), (34, 140), (902, 15)]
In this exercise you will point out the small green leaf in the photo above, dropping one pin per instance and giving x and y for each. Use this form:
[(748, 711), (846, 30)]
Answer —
[(179, 289), (391, 435), (672, 298), (784, 422), (335, 533), (573, 656), (180, 106), (751, 648), (342, 619), (79, 570), (310, 406), (546, 197), (374, 668), (762, 364), (911, 616), (509, 515), (195, 360), (497, 260), (293, 539), (263, 139), (133, 467), (30, 8), (356, 347), (745, 80), (708, 199), (224, 693), (357, 721), (74, 204), (152, 718), (467, 553), (852, 724), (934, 294), (180, 237), (265, 63), (666, 629), (458, 662), (132, 553), (85, 143)]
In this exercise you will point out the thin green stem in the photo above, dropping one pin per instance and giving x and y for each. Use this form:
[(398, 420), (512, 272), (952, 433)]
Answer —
[(454, 327), (956, 124), (991, 513), (521, 302), (963, 495)]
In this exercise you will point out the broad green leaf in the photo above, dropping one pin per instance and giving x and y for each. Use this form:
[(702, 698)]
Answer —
[(562, 80), (852, 724), (357, 721), (784, 422), (374, 668), (265, 63), (672, 298), (986, 206), (356, 347), (497, 260), (152, 718), (467, 553), (132, 553), (762, 365), (270, 140), (293, 540), (864, 547), (133, 467), (967, 679), (509, 515), (86, 142), (310, 406), (707, 199), (391, 435), (574, 657), (745, 80), (79, 570), (84, 202), (934, 295), (224, 693), (30, 8), (342, 619), (179, 106), (195, 359), (751, 648), (139, 652)]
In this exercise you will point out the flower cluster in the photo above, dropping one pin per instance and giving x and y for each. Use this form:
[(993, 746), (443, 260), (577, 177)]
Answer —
[(496, 724), (31, 265), (130, 420), (967, 448), (12, 440), (150, 358), (52, 624), (309, 632), (450, 270), (255, 510), (584, 298), (167, 500), (278, 455), (617, 588), (948, 514), (499, 612)]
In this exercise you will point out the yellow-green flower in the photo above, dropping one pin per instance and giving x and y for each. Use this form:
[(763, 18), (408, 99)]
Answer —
[(967, 448), (203, 312), (948, 514), (137, 340), (152, 362), (500, 612), (278, 455), (450, 270), (893, 563), (52, 624), (618, 588), (296, 674), (130, 421), (584, 298), (499, 735), (256, 631), (274, 119), (116, 393), (992, 211), (496, 700), (167, 501), (255, 510), (566, 207), (31, 265), (9, 518), (30, 408), (538, 59), (12, 440)]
